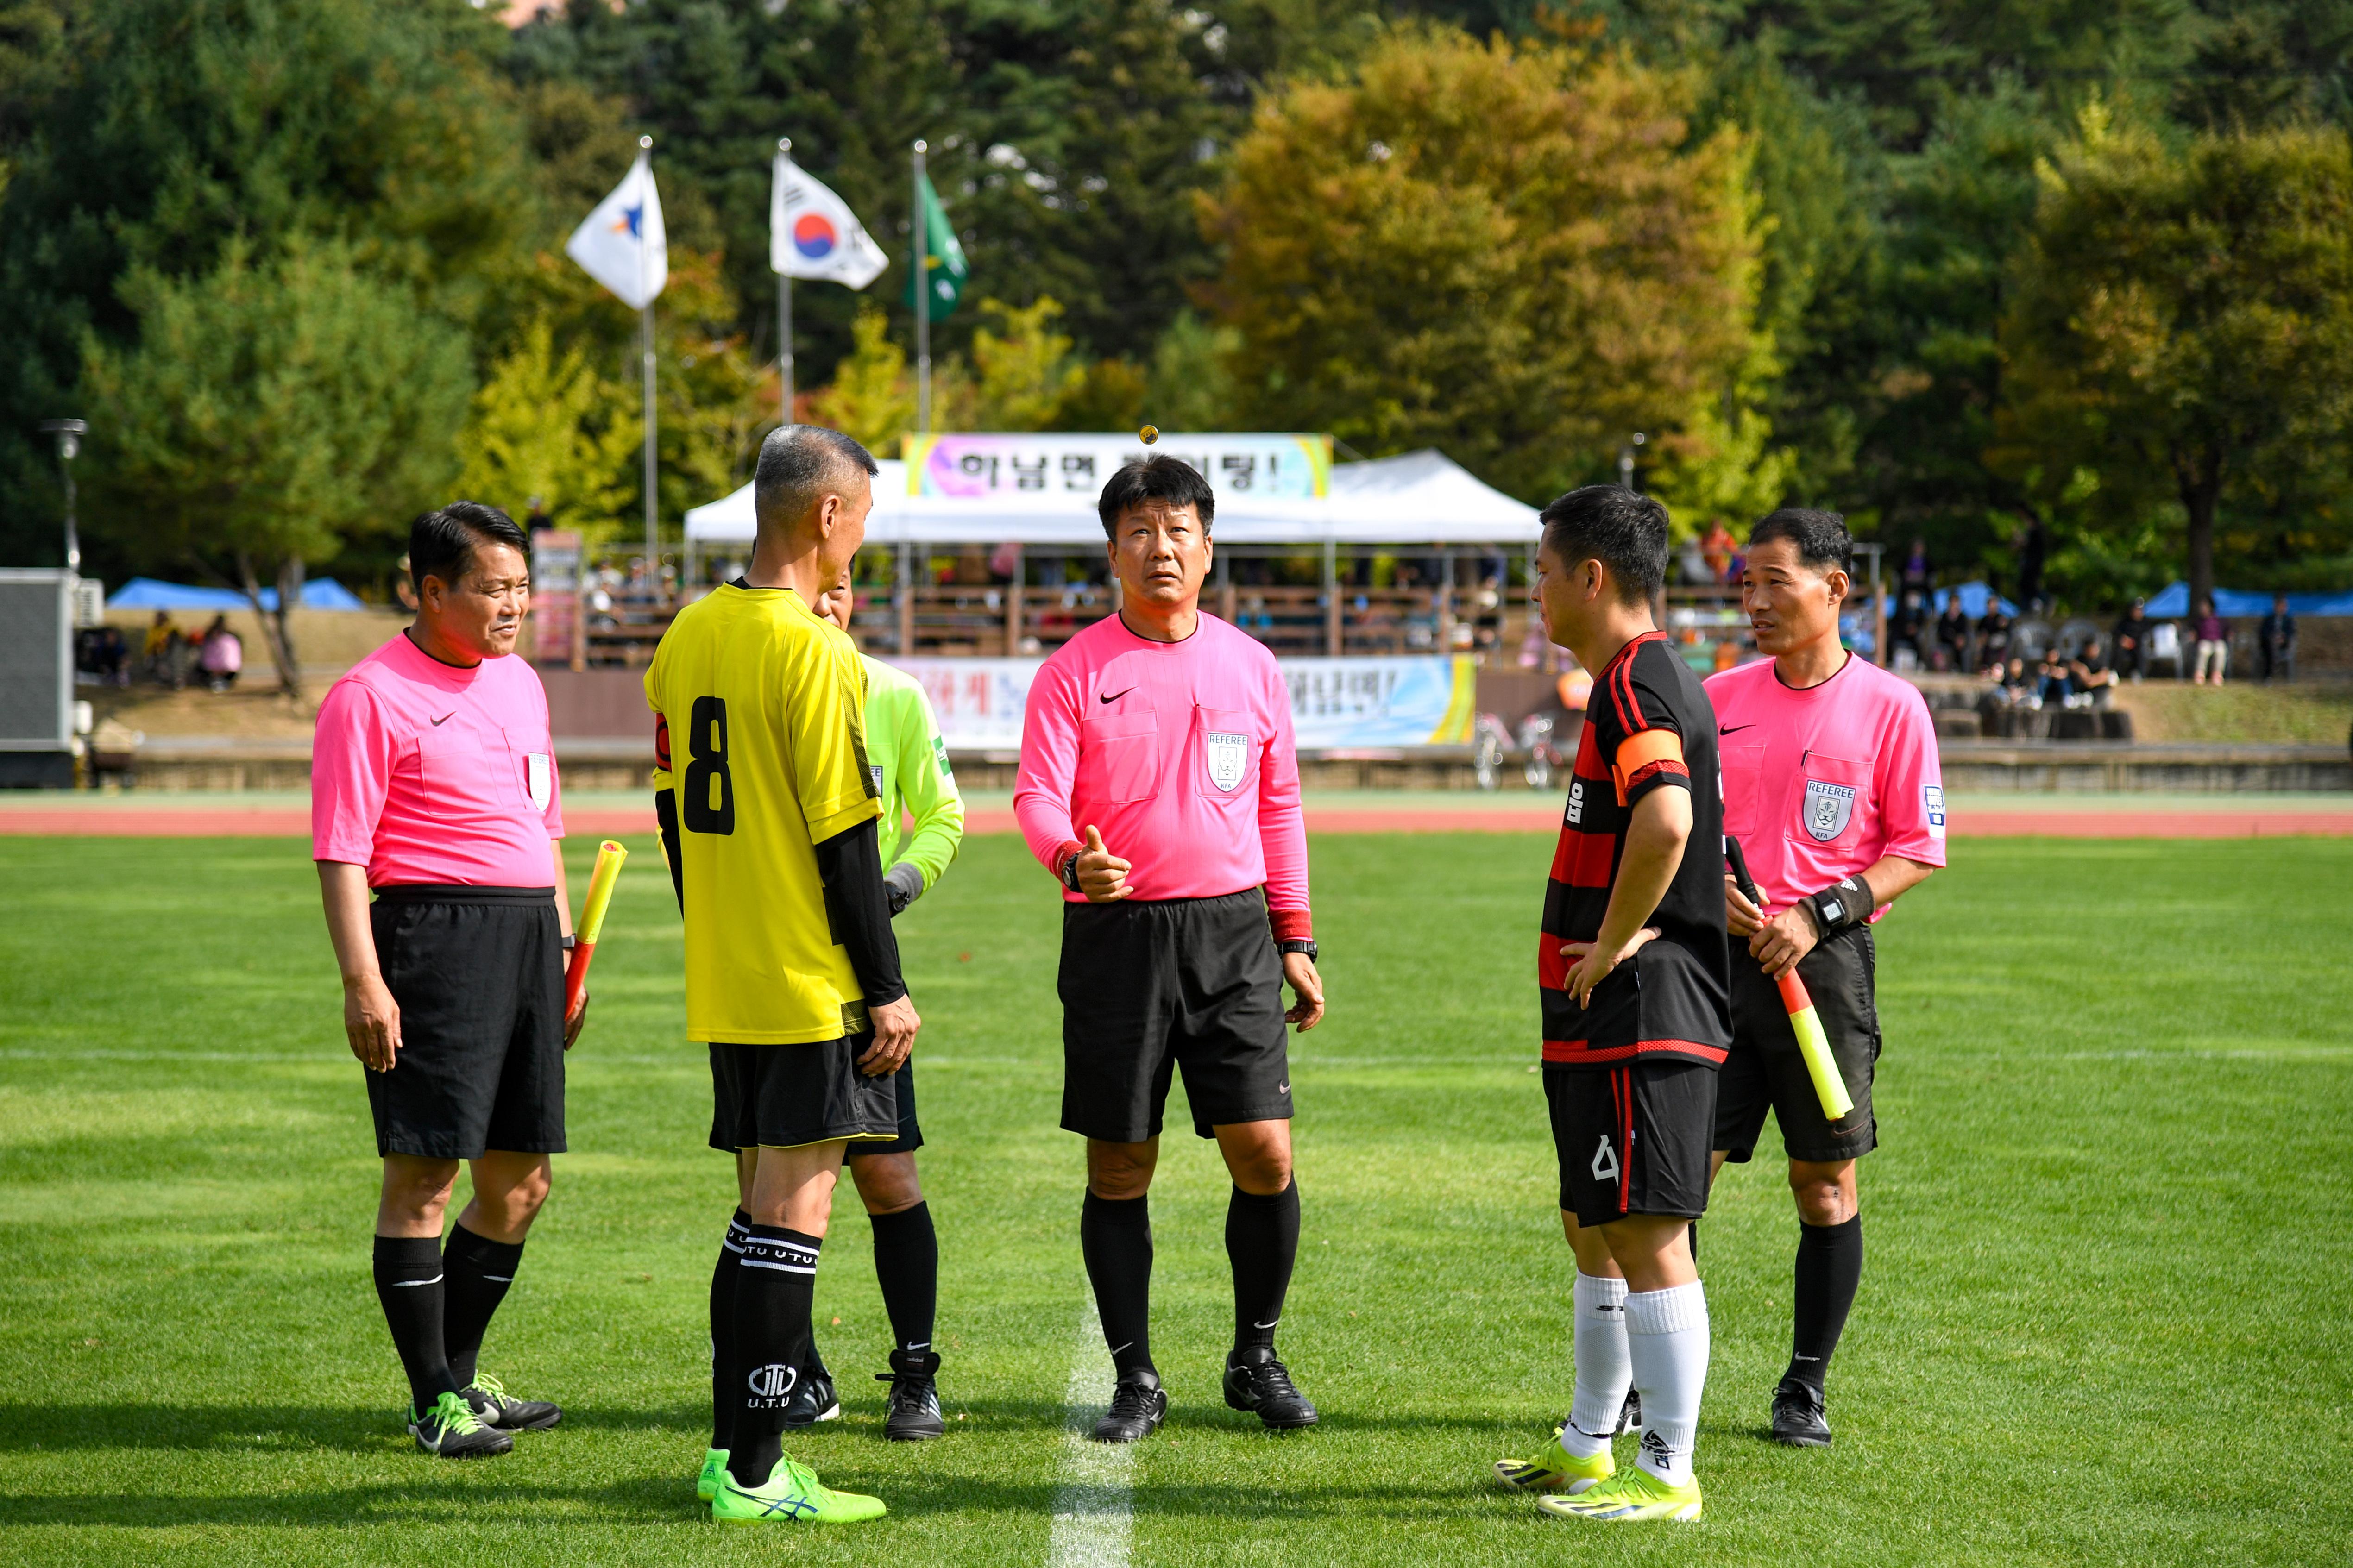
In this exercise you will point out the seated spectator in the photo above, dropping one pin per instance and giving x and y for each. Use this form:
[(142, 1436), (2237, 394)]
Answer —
[(100, 653), (1953, 636), (2132, 641), (1916, 569), (1993, 636), (2213, 636), (1909, 626), (223, 655), (2275, 642), (1716, 549), (2050, 679), (2015, 682), (2089, 679), (153, 652)]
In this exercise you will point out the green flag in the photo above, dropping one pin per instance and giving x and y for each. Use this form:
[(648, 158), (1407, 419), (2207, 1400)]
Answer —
[(943, 257)]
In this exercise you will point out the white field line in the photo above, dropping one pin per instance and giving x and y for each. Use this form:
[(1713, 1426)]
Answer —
[(1091, 1512)]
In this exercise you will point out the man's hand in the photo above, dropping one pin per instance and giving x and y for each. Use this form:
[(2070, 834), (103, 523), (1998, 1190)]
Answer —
[(894, 1037), (1779, 942), (1743, 917), (372, 1021), (1103, 876), (575, 1024), (1299, 974), (1593, 964)]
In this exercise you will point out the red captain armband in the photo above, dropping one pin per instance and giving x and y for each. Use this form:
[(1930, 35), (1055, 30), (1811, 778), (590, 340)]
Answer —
[(662, 743), (1292, 925)]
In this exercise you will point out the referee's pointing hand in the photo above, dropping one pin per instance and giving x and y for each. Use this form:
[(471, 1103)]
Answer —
[(372, 1020)]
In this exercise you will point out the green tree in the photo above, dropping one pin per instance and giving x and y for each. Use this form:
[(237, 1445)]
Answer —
[(546, 426), (1024, 371), (872, 396), (2183, 321), (269, 412), (1517, 254)]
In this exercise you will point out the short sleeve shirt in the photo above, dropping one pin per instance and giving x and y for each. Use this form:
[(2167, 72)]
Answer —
[(429, 774), (759, 712)]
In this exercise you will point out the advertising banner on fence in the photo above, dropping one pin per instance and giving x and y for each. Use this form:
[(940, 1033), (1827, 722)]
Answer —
[(1335, 703), (1016, 469)]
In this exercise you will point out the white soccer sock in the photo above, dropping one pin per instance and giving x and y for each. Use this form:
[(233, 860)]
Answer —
[(1667, 1341), (1603, 1371)]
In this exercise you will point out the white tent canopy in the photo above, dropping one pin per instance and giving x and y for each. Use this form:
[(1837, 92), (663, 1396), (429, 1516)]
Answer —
[(1421, 497)]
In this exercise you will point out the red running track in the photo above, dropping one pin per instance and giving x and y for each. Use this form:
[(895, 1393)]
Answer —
[(604, 822)]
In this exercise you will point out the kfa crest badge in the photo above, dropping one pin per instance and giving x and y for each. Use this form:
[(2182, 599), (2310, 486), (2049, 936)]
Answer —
[(1828, 808), (1229, 757)]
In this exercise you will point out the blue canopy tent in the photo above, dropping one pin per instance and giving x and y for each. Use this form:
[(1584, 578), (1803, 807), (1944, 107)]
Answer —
[(1973, 600), (2175, 602), (149, 593)]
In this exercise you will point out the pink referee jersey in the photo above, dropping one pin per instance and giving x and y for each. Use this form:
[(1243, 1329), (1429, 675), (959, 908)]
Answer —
[(1820, 784), (427, 774), (1180, 753)]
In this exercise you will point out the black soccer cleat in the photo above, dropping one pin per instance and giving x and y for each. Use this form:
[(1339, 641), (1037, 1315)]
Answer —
[(497, 1408), (914, 1416), (1138, 1405), (1797, 1418), (813, 1398), (451, 1430), (1260, 1382)]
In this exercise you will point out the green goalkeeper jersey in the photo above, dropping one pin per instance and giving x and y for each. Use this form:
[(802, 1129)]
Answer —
[(909, 765)]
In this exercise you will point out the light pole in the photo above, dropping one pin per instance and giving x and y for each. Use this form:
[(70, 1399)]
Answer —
[(1626, 461), (68, 433)]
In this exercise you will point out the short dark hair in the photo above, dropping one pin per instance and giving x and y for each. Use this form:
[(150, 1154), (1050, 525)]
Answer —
[(1609, 523), (442, 543), (1159, 478), (798, 464), (1820, 537)]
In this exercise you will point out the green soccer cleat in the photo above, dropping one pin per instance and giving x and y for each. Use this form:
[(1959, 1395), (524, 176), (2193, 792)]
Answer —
[(1555, 1469), (498, 1408), (451, 1430), (792, 1495), (713, 1475), (1635, 1497)]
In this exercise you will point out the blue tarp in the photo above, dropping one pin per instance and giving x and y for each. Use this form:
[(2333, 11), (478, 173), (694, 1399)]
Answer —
[(2175, 602), (1973, 600), (148, 594)]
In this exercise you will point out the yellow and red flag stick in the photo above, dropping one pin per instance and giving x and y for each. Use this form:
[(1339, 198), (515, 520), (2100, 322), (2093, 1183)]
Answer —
[(1814, 1046), (601, 881)]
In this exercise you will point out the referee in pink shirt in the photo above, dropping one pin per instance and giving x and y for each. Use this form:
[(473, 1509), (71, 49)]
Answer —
[(1159, 783), (433, 785), (1832, 788)]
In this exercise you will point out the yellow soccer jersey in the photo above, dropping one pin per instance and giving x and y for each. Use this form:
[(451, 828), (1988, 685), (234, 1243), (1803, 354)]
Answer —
[(759, 710)]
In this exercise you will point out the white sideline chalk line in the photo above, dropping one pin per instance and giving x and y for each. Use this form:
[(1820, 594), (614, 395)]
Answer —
[(1092, 1515)]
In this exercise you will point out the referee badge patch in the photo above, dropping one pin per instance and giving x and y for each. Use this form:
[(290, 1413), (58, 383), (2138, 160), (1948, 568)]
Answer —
[(539, 778), (1229, 756), (1828, 808)]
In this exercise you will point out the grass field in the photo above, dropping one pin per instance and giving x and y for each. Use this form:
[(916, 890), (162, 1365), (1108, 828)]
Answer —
[(2104, 1320)]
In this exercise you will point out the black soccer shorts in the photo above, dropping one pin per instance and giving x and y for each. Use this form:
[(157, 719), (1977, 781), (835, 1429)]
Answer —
[(1632, 1140), (911, 1132), (1765, 1072), (479, 976), (1152, 985), (787, 1096)]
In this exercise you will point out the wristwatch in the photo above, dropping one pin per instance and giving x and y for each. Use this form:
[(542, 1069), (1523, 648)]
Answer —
[(570, 942), (1309, 948), (1071, 870)]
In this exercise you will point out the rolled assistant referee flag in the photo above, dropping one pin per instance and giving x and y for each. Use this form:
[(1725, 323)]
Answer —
[(1814, 1046), (601, 880)]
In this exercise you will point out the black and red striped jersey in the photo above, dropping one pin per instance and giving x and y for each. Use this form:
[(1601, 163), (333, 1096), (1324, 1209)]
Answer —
[(1648, 726)]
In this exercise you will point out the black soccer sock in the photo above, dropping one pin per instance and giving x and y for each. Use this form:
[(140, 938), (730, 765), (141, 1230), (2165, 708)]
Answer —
[(726, 1394), (775, 1282), (408, 1283), (1115, 1235), (475, 1274), (1829, 1268), (907, 1266), (1262, 1243)]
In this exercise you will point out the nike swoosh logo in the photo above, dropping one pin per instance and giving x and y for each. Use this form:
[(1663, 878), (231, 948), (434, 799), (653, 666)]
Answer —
[(445, 718), (1283, 1088), (1730, 729), (1115, 696)]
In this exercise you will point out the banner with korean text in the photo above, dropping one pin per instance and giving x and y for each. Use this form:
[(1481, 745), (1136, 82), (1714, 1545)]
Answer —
[(1014, 471), (1336, 704)]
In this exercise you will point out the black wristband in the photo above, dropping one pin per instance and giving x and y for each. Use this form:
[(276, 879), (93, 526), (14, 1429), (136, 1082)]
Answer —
[(1840, 907), (1070, 871)]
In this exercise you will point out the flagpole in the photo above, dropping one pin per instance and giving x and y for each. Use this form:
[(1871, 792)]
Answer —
[(646, 321), (923, 305), (784, 317)]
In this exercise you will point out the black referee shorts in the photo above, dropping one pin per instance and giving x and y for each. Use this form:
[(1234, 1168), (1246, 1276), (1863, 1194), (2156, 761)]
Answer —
[(479, 976), (1152, 985), (1765, 1072)]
